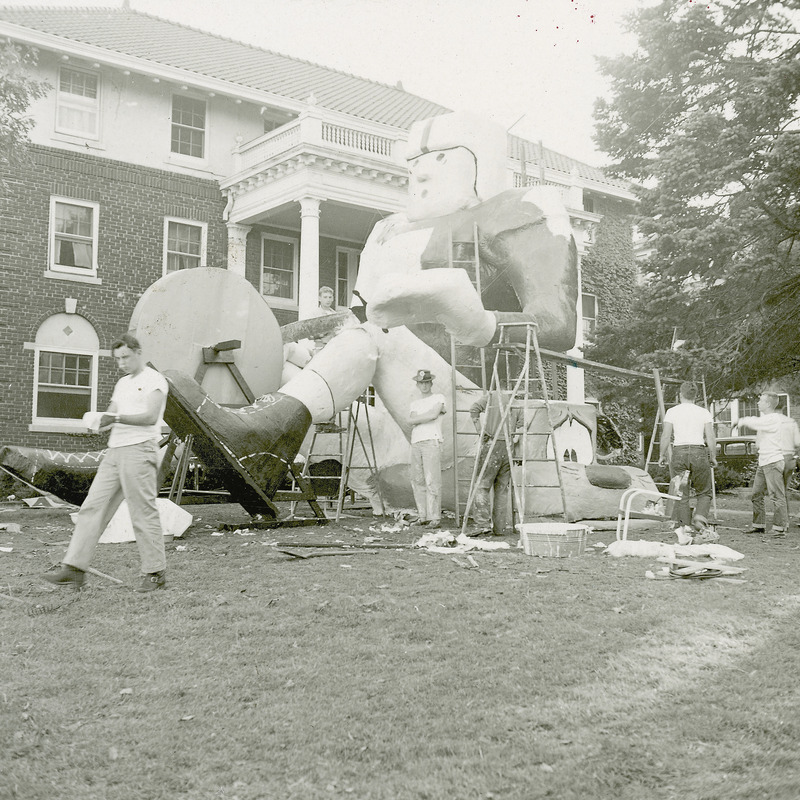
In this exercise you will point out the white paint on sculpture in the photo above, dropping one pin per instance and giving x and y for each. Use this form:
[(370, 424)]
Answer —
[(548, 199)]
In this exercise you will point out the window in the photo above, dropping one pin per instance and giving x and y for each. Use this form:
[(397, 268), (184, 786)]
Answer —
[(748, 407), (184, 244), (188, 126), (64, 385), (65, 373), (346, 272), (736, 449), (589, 314), (73, 236), (279, 269), (78, 102)]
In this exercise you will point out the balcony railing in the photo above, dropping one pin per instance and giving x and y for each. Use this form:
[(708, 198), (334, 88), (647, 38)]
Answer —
[(311, 129)]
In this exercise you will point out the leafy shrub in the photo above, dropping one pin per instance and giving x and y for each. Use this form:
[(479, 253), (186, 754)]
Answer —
[(726, 477)]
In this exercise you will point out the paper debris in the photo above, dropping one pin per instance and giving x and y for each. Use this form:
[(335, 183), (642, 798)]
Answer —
[(445, 542), (11, 527)]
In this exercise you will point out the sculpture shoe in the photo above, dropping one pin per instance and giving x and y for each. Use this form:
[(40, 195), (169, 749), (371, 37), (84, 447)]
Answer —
[(253, 447)]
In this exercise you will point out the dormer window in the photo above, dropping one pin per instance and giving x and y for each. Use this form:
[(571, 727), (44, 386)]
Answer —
[(78, 103), (188, 126)]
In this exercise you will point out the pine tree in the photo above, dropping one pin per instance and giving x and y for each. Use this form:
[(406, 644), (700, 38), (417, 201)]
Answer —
[(704, 115)]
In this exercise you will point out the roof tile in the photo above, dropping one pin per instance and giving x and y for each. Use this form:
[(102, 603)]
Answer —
[(160, 41)]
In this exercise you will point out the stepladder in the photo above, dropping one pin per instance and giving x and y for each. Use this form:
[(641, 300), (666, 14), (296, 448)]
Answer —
[(518, 422), (341, 449)]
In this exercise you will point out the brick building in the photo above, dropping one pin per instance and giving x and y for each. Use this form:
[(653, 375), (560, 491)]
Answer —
[(159, 147)]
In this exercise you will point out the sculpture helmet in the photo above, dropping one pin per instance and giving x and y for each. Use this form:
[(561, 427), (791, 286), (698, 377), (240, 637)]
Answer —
[(486, 140)]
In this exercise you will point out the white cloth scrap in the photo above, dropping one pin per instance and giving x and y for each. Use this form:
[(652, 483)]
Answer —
[(645, 549)]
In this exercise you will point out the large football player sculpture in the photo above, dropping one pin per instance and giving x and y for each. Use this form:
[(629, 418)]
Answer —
[(409, 293)]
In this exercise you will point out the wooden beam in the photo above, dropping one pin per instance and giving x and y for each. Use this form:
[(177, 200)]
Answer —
[(596, 366), (316, 327)]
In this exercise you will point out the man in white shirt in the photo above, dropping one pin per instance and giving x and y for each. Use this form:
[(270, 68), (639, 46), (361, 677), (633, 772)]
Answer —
[(128, 470), (769, 480), (426, 442), (694, 449)]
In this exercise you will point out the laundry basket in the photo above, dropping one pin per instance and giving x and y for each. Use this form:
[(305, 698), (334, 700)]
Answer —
[(552, 539)]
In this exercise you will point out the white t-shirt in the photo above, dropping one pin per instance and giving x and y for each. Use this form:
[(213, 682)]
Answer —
[(688, 424), (130, 397), (423, 431)]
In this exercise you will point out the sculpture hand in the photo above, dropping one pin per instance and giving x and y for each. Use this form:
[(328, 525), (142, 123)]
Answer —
[(435, 295)]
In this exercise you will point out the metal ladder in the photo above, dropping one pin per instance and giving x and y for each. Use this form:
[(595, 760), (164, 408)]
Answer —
[(353, 434), (517, 391), (348, 434)]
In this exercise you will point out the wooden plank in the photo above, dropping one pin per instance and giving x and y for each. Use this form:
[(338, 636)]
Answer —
[(298, 553), (701, 565)]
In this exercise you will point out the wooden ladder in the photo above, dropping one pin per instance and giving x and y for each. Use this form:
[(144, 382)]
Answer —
[(466, 256)]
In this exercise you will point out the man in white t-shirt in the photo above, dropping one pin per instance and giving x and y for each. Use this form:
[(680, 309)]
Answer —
[(770, 441), (128, 470), (426, 444), (690, 444)]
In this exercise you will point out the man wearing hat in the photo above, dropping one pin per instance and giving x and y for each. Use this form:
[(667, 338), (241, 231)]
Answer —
[(426, 442)]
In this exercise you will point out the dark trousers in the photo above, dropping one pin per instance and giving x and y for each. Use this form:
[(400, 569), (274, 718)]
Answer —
[(695, 459), (497, 476)]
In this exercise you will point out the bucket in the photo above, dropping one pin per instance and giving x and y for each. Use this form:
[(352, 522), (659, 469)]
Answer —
[(552, 539)]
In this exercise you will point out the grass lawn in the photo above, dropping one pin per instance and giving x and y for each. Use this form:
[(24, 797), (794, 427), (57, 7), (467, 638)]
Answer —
[(399, 674)]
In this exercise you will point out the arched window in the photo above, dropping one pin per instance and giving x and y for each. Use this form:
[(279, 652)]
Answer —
[(65, 373)]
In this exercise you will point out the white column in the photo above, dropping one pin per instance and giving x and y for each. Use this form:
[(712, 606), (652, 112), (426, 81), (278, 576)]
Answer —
[(576, 388), (237, 247), (308, 284)]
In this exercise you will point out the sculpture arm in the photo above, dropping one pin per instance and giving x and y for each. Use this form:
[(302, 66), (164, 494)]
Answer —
[(542, 268)]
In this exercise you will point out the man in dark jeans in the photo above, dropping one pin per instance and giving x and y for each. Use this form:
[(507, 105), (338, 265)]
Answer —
[(690, 444), (493, 460)]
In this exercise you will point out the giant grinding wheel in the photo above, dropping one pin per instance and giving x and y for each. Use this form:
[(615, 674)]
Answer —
[(192, 309)]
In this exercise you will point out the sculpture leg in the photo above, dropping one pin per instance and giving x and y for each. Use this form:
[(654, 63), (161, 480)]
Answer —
[(260, 441)]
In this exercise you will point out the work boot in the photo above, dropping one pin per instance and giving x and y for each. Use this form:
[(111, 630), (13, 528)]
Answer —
[(253, 446), (66, 576), (152, 581)]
